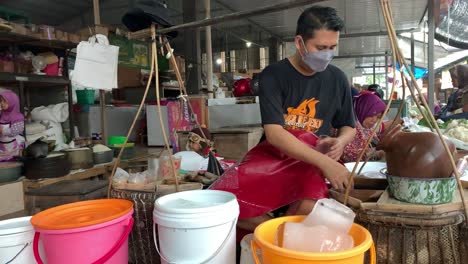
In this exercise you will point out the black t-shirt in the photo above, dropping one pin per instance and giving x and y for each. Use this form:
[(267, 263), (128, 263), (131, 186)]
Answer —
[(314, 103)]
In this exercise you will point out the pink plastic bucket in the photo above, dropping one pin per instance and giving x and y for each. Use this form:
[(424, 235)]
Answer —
[(101, 243)]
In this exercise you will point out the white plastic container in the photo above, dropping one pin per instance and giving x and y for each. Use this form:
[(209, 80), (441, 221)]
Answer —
[(196, 227), (16, 238), (153, 166), (190, 160)]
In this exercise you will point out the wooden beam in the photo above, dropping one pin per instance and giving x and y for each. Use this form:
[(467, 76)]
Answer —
[(102, 93)]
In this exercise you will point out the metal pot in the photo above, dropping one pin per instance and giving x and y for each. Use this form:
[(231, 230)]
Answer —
[(103, 157), (128, 153), (53, 166), (10, 171), (80, 158)]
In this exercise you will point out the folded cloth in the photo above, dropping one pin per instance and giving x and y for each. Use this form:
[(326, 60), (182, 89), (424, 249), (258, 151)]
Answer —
[(56, 113), (34, 128)]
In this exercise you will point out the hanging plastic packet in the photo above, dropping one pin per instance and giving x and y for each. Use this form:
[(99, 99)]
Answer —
[(165, 170)]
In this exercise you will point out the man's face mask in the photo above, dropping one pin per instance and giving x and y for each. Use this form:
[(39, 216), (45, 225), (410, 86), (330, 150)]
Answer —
[(317, 61)]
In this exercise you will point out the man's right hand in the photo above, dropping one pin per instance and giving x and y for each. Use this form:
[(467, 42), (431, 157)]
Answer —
[(336, 174)]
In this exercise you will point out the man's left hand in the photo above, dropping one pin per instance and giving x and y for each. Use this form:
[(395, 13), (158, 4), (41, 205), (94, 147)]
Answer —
[(336, 147)]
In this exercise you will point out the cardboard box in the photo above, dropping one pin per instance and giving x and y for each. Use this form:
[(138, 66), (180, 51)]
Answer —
[(87, 32), (24, 66), (19, 29), (74, 38), (6, 66), (180, 64), (12, 197), (128, 77), (44, 32), (61, 35)]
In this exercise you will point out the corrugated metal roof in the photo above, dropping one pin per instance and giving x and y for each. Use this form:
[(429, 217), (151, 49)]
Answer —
[(360, 16)]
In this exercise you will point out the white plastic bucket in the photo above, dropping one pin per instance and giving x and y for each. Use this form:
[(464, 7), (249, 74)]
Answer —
[(196, 227), (16, 237)]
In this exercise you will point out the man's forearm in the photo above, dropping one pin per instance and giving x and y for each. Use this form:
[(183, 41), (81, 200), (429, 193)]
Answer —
[(346, 134)]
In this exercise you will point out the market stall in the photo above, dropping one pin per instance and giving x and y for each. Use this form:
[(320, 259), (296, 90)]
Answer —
[(168, 169)]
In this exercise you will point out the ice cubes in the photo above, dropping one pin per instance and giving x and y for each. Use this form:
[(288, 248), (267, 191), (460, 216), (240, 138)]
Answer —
[(325, 229), (318, 239), (331, 213)]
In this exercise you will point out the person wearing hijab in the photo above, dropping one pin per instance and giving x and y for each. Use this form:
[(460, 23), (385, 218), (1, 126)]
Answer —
[(459, 76), (11, 126), (368, 108)]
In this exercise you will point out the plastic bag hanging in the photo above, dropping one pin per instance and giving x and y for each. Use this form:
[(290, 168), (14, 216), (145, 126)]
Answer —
[(213, 165)]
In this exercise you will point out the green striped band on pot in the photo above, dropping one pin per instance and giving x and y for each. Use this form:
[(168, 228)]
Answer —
[(421, 190)]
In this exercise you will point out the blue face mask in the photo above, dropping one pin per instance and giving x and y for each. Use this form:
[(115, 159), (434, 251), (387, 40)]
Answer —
[(319, 60)]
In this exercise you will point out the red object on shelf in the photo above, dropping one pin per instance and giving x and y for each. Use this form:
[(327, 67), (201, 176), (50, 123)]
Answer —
[(52, 69), (242, 88)]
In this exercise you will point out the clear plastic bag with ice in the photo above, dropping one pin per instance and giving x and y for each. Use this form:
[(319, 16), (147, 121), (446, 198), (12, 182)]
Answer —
[(325, 229)]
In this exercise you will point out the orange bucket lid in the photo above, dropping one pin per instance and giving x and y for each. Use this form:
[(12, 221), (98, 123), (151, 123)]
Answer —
[(81, 214)]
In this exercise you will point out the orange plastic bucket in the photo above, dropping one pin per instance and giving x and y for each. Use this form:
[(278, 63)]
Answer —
[(264, 241)]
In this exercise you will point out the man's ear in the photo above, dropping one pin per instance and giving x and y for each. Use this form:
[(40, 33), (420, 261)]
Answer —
[(298, 43)]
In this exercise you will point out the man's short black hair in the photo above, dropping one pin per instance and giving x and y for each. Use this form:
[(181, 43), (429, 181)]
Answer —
[(316, 18), (373, 87)]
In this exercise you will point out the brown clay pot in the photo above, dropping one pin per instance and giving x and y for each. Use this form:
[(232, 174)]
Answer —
[(415, 155)]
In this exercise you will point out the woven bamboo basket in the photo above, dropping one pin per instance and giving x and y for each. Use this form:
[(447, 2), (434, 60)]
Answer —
[(417, 239), (140, 243)]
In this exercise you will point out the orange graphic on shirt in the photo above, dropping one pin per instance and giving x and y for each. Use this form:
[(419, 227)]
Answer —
[(303, 116)]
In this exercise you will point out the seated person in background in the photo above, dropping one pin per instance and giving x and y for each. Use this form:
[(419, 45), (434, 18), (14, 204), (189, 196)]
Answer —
[(196, 142), (11, 126), (459, 76), (376, 89), (368, 108), (419, 115), (464, 109), (354, 91)]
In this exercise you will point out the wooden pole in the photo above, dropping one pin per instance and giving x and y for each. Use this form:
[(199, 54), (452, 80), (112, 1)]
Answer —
[(102, 93), (209, 52)]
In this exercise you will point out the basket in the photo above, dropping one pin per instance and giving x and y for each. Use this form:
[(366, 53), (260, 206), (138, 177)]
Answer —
[(413, 239), (140, 242), (116, 140), (85, 97)]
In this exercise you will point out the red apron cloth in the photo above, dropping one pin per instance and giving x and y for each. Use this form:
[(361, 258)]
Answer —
[(266, 179)]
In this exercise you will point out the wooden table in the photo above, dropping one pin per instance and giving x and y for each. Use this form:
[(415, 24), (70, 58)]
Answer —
[(103, 170)]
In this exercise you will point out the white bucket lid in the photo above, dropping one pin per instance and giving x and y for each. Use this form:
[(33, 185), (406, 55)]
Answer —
[(196, 209), (15, 225)]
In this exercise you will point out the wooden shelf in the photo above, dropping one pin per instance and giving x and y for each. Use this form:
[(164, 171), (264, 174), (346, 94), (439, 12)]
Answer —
[(7, 77), (9, 38)]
